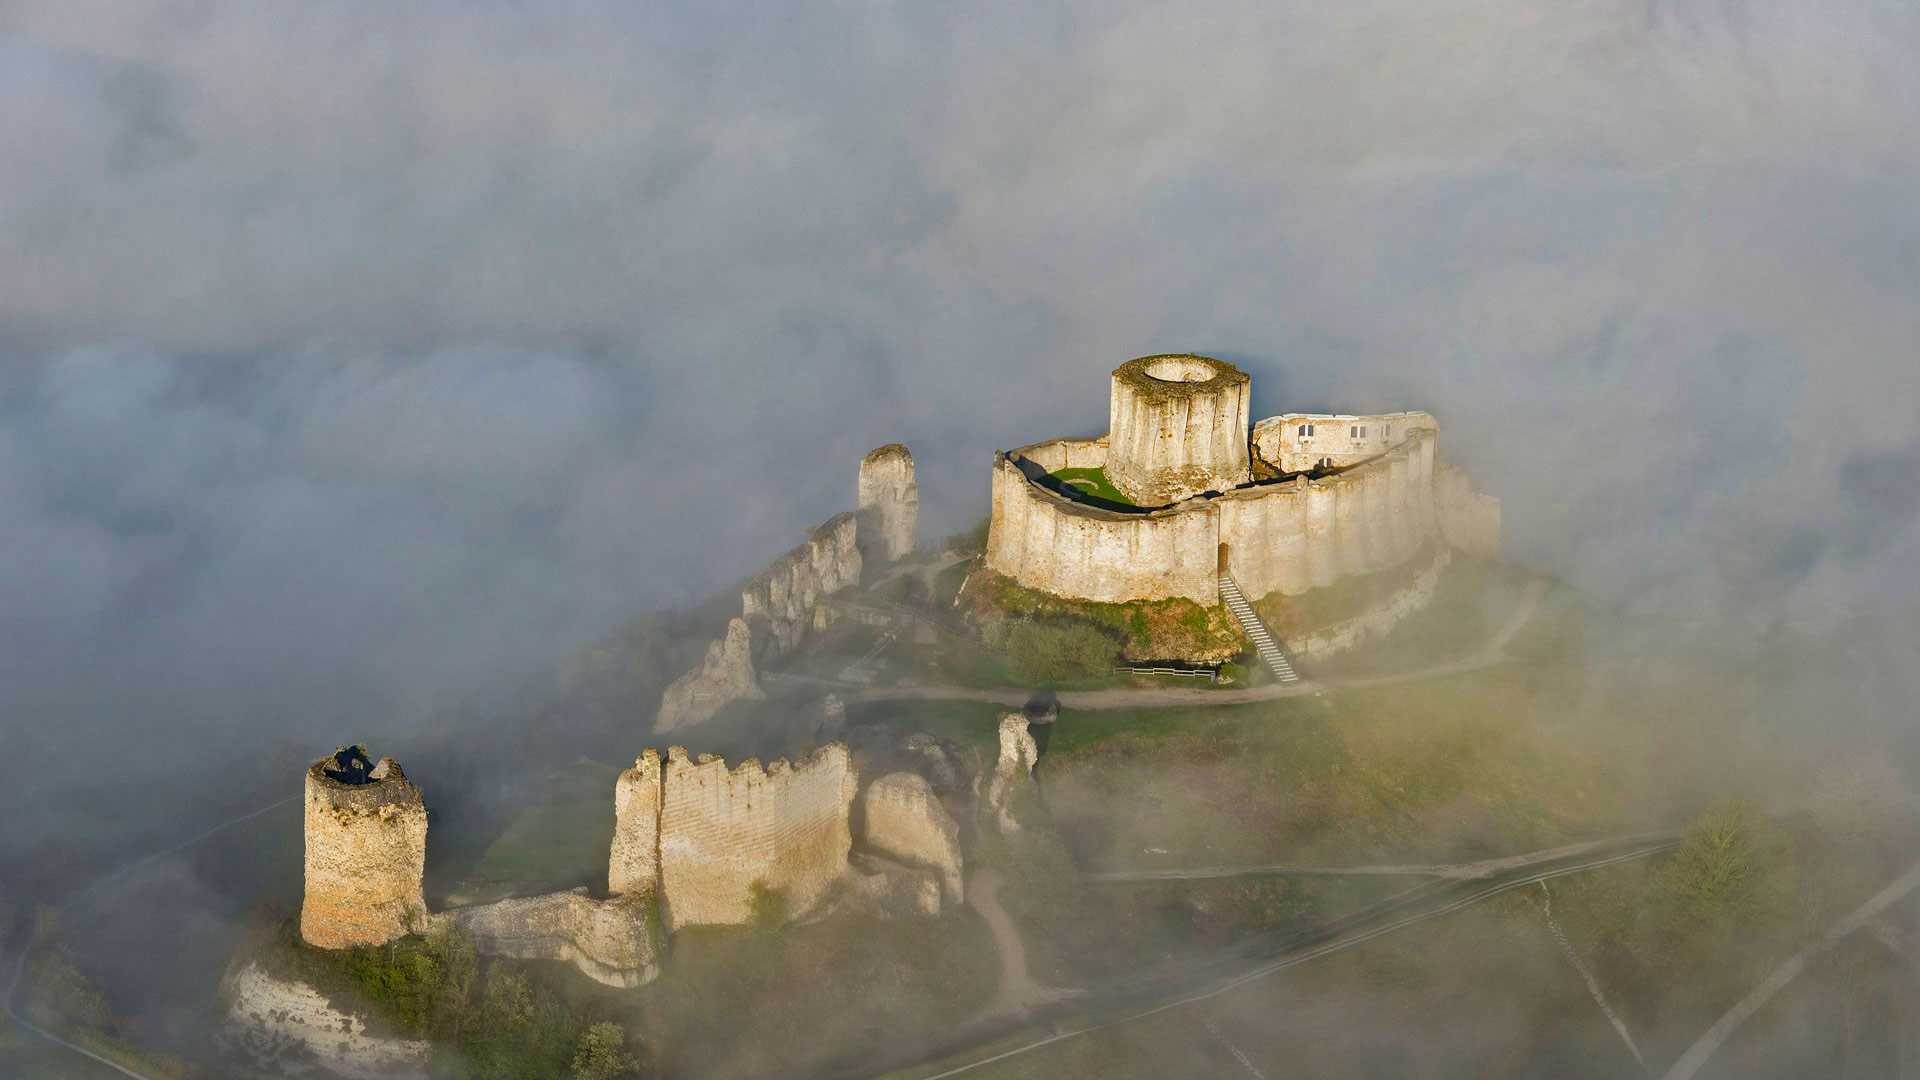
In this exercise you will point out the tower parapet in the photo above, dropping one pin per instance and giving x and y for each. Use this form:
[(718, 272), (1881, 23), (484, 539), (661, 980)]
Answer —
[(366, 852), (1178, 427)]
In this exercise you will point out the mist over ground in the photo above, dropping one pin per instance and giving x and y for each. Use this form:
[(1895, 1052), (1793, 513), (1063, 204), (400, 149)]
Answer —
[(361, 361)]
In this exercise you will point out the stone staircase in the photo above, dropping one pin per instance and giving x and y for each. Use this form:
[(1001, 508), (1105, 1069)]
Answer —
[(1256, 631)]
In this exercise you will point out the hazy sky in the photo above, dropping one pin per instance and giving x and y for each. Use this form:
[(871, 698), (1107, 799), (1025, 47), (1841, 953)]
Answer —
[(353, 349)]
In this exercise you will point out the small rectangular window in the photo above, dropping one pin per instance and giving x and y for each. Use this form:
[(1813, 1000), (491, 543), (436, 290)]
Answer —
[(1306, 431)]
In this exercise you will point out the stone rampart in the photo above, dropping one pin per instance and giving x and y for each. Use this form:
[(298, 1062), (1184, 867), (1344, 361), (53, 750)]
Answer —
[(785, 592), (902, 818), (609, 941), (1045, 540), (1299, 442), (1286, 537), (1306, 533), (633, 862), (1377, 620), (723, 832), (366, 852)]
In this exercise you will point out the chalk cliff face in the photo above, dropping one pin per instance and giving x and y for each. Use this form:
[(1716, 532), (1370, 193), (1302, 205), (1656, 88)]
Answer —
[(889, 502), (366, 852), (609, 941), (725, 676), (903, 819), (270, 1016)]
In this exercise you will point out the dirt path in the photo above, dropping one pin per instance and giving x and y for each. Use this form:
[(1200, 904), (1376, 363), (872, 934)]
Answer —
[(1019, 991), (1127, 697), (1723, 1028)]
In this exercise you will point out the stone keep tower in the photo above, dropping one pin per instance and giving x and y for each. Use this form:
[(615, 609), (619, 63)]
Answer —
[(1177, 427), (366, 832), (889, 502)]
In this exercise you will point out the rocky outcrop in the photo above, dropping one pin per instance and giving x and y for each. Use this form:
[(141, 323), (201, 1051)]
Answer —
[(1377, 620), (890, 890), (725, 676), (777, 608), (366, 852), (902, 818), (609, 941), (1018, 755), (279, 1028), (888, 502)]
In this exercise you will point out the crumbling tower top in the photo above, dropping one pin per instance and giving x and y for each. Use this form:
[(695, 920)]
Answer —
[(366, 851), (1177, 427)]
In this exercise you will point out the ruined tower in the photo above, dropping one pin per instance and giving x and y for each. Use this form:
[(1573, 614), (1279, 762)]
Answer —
[(366, 840), (1177, 427), (889, 502)]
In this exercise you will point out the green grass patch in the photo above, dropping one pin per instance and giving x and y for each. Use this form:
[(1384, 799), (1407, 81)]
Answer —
[(557, 841), (1175, 629), (1092, 482)]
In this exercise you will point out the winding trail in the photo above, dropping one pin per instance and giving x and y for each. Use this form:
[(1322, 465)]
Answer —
[(1708, 1043), (1019, 990), (15, 984), (1463, 871)]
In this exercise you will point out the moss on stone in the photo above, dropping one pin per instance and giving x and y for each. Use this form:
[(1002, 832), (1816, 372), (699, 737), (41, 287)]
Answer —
[(1175, 629)]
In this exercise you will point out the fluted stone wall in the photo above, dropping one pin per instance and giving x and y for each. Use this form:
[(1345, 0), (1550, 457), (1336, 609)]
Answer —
[(366, 853), (785, 592), (888, 500), (1177, 426), (1047, 541)]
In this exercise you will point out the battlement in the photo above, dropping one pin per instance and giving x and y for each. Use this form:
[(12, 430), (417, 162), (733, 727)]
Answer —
[(366, 852)]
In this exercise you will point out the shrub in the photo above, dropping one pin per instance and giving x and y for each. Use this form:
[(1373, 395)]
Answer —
[(1056, 651), (602, 1054)]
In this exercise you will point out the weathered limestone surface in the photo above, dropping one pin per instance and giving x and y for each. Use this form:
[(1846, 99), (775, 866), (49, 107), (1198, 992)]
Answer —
[(609, 941), (725, 676), (902, 818), (1177, 426), (366, 852), (1018, 755), (1377, 621), (271, 1016), (1047, 541), (722, 832), (633, 862), (784, 594), (889, 502), (889, 889)]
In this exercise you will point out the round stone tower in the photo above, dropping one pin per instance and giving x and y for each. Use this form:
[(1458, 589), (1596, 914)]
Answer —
[(1178, 426), (366, 852), (889, 502)]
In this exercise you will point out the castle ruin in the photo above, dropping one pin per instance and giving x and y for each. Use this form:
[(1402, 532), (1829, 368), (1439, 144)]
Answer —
[(1293, 503), (888, 501), (366, 852)]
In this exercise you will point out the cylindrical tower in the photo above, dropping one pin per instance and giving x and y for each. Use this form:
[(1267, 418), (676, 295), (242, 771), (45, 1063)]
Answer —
[(1177, 427), (366, 833)]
